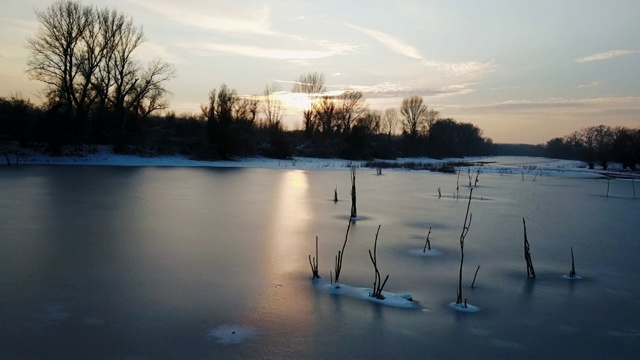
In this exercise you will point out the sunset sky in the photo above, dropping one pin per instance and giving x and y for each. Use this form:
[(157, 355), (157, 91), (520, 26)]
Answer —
[(523, 71)]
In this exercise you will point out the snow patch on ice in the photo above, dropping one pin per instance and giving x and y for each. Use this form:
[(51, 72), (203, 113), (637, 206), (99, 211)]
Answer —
[(232, 334), (390, 299), (426, 253), (461, 308)]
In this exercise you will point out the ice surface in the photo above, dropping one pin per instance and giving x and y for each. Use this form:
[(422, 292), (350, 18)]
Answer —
[(630, 333), (187, 247), (232, 334), (575, 277), (426, 253)]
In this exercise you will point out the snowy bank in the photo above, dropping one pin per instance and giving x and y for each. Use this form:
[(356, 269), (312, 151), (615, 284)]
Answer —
[(530, 167)]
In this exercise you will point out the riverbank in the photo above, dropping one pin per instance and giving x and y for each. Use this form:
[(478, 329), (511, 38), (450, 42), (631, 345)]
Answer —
[(518, 165)]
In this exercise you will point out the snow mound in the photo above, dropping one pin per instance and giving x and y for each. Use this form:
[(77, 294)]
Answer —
[(232, 334), (390, 299), (461, 308)]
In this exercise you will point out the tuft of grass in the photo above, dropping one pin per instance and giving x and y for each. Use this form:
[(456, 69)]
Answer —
[(314, 263)]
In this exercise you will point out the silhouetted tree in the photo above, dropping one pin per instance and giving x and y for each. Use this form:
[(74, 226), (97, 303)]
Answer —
[(325, 118), (312, 85), (271, 106), (84, 56), (598, 144), (450, 138), (389, 122), (414, 113), (430, 118), (219, 115), (370, 121), (350, 106)]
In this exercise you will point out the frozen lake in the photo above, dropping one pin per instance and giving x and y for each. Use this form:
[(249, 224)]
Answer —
[(204, 263)]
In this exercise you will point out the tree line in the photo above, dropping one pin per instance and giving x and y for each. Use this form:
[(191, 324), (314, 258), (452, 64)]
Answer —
[(599, 145)]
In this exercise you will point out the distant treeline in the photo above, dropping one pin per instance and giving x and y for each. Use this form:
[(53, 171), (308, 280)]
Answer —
[(599, 145), (239, 129), (230, 126)]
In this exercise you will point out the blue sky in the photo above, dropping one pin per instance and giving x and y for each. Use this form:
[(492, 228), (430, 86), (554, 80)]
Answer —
[(523, 71)]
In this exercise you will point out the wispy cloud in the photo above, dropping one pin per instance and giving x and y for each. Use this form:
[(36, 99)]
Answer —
[(605, 55), (575, 104), (150, 50), (323, 49), (395, 90), (462, 68), (591, 84), (393, 43), (217, 16)]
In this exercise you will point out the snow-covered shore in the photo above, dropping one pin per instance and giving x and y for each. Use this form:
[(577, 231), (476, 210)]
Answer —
[(518, 165)]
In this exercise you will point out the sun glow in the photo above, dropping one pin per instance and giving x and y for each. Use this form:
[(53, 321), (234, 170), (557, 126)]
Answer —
[(296, 101)]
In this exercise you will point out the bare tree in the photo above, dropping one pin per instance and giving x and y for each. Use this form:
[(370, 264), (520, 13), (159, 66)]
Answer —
[(350, 106), (84, 55), (118, 75), (311, 84), (272, 106), (430, 118), (389, 123), (54, 52), (149, 93), (246, 109), (370, 121), (414, 112), (219, 115), (324, 116)]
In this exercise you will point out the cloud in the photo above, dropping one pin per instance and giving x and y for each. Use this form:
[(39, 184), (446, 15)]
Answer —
[(592, 84), (628, 102), (215, 15), (462, 68), (393, 43), (605, 55), (150, 50), (317, 50), (323, 50), (395, 90)]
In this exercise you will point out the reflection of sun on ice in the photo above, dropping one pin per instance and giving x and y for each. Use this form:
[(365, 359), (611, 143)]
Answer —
[(298, 179)]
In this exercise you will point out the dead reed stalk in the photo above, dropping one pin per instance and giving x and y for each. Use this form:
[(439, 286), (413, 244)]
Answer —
[(465, 230), (378, 284), (527, 253), (338, 260)]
